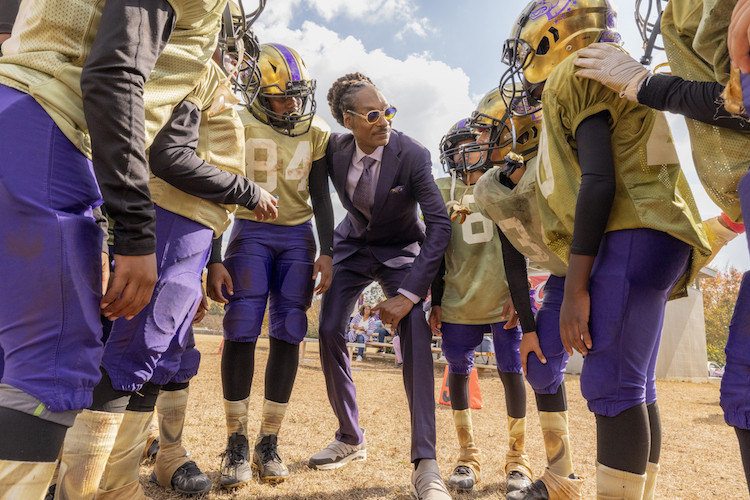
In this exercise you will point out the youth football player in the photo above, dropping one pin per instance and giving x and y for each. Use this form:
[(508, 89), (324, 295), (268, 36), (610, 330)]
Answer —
[(618, 210), (273, 261), (468, 297)]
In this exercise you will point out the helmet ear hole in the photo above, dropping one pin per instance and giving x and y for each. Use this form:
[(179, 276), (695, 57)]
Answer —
[(524, 138), (543, 47)]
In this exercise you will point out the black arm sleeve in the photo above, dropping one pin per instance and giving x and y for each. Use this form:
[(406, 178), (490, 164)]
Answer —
[(320, 196), (8, 13), (172, 157), (598, 184), (697, 100), (438, 286), (130, 38), (518, 282), (215, 257)]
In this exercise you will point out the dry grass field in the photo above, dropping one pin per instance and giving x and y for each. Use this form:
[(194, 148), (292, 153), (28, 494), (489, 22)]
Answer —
[(700, 456)]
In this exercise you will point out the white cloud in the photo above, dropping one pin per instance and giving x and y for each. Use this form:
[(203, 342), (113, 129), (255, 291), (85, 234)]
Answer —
[(420, 27), (430, 95), (403, 12)]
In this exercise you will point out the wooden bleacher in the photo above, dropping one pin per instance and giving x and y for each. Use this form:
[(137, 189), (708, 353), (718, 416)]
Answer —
[(374, 345)]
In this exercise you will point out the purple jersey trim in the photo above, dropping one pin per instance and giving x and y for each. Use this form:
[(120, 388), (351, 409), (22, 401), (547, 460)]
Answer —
[(291, 62)]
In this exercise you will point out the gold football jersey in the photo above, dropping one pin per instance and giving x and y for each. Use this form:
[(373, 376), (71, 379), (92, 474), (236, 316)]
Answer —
[(221, 142), (516, 213), (651, 190), (475, 283), (281, 165), (695, 39), (52, 39)]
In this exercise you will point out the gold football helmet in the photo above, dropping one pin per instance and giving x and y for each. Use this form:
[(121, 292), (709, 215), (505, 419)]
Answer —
[(512, 128), (284, 74), (548, 31)]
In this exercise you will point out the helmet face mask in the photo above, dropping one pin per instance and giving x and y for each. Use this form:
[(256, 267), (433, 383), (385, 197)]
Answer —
[(512, 128), (240, 49), (500, 141), (284, 75), (648, 21)]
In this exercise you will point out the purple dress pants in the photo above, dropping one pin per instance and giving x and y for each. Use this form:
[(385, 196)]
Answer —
[(350, 278)]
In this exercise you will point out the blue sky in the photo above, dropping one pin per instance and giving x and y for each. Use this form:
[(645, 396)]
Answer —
[(434, 60)]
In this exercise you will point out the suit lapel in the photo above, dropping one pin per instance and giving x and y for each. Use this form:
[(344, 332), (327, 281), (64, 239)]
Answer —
[(341, 161), (389, 167)]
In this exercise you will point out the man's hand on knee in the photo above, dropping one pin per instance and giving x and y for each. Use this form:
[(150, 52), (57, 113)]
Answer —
[(394, 309)]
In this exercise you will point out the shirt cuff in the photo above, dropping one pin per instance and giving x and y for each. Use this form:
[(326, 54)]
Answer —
[(406, 293)]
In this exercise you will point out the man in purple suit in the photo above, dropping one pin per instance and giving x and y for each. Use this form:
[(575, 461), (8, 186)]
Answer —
[(380, 176)]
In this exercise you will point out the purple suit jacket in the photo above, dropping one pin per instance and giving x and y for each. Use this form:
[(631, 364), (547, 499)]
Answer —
[(396, 235)]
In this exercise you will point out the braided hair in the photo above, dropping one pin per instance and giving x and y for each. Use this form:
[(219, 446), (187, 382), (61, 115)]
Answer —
[(342, 93)]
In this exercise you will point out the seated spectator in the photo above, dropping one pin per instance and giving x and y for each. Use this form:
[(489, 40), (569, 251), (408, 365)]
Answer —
[(381, 331), (361, 328)]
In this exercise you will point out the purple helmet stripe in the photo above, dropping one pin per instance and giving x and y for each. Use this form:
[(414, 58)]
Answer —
[(461, 123), (294, 72)]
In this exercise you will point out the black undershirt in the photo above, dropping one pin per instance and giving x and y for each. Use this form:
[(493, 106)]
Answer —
[(516, 274), (598, 183), (172, 157), (438, 286), (131, 36), (697, 100), (8, 13)]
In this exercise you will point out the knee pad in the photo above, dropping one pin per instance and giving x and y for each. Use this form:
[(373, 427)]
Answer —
[(173, 303), (460, 360), (544, 379), (507, 355), (243, 319)]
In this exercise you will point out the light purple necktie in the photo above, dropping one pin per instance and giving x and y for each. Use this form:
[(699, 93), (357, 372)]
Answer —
[(362, 196)]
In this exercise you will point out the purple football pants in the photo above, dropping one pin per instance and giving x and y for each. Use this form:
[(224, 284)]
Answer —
[(631, 281), (157, 343), (269, 264), (50, 260), (546, 378), (350, 277), (735, 384), (460, 342)]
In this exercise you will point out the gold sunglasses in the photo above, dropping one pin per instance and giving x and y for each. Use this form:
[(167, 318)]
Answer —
[(374, 115)]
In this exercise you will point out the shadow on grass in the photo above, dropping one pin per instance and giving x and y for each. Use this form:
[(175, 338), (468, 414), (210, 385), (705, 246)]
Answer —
[(715, 419)]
